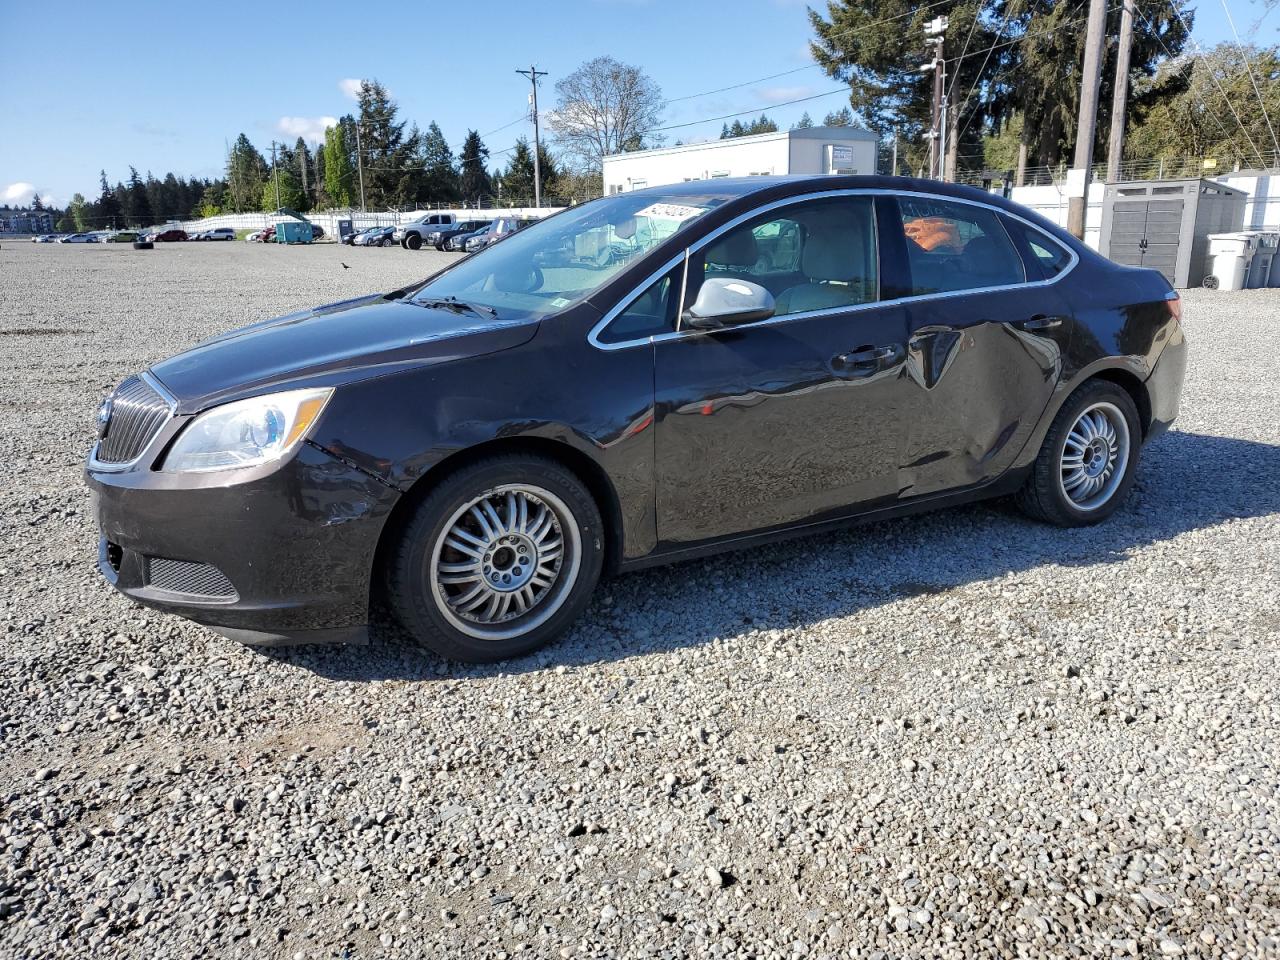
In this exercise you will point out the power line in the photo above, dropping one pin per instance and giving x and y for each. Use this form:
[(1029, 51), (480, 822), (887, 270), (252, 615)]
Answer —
[(743, 113), (1253, 80), (1214, 77), (1189, 61), (811, 66)]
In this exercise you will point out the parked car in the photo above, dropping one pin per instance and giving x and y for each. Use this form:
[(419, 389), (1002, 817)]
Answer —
[(76, 238), (45, 238), (412, 234), (170, 235), (123, 236), (688, 398), (265, 235), (219, 233), (440, 236), (458, 241), (502, 228), (376, 237)]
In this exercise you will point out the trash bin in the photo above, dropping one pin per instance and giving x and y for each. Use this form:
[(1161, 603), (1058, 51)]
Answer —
[(1230, 256), (1265, 269)]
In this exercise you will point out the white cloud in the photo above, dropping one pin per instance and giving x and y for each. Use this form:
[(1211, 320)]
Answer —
[(20, 194), (350, 88), (310, 129)]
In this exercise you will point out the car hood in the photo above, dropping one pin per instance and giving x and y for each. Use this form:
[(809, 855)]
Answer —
[(330, 345)]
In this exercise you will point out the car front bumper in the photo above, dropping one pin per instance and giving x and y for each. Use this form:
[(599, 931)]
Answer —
[(285, 555)]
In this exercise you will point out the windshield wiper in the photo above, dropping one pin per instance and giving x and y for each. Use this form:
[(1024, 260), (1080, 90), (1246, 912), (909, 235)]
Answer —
[(457, 306)]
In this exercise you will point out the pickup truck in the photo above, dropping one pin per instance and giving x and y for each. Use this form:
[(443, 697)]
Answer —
[(413, 234)]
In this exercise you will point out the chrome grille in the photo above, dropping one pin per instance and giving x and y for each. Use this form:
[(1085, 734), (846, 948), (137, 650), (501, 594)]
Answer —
[(137, 414), (195, 579)]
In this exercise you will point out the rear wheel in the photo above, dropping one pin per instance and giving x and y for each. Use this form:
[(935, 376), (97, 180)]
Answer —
[(414, 241), (1086, 466), (498, 560)]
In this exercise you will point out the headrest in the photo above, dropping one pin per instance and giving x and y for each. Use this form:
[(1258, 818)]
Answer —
[(834, 252), (737, 248)]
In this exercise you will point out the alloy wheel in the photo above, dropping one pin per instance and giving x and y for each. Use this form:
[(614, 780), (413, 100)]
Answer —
[(1094, 456), (505, 561)]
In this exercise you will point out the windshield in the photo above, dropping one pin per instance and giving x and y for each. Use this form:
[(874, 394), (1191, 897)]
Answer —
[(553, 263)]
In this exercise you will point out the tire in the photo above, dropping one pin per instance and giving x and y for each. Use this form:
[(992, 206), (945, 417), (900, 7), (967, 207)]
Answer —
[(440, 247), (553, 591), (414, 241), (1063, 488), (143, 245)]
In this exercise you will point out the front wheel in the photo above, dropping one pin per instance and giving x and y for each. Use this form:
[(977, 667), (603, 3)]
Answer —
[(1087, 464), (414, 241), (498, 560)]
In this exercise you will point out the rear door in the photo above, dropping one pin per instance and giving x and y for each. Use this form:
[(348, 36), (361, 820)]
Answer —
[(987, 332)]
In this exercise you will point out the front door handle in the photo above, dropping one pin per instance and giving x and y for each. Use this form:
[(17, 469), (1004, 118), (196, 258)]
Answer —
[(1040, 322), (866, 356)]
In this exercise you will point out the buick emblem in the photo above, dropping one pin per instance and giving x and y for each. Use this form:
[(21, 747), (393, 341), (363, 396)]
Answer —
[(103, 418)]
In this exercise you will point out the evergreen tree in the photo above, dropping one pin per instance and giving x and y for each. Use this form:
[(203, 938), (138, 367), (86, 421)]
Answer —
[(302, 157), (804, 123), (1035, 51), (474, 183), (838, 118), (440, 179), (244, 174), (387, 152), (36, 203), (107, 212), (517, 179)]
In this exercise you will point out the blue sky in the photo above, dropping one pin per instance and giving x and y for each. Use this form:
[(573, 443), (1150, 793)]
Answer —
[(106, 85)]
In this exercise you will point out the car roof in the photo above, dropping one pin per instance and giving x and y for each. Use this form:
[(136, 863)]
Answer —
[(777, 186)]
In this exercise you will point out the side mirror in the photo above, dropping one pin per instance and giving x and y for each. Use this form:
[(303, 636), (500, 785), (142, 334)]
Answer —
[(728, 302)]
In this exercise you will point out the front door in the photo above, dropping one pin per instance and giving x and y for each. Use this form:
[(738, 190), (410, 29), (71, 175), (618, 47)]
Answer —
[(793, 418)]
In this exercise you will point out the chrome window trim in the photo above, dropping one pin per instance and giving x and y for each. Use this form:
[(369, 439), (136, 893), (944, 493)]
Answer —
[(98, 466), (593, 336)]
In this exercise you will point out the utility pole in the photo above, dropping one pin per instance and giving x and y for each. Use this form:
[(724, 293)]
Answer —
[(1115, 148), (360, 165), (894, 172), (1091, 78), (275, 170), (934, 32), (533, 73)]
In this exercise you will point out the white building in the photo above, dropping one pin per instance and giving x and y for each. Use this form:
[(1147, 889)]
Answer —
[(814, 150)]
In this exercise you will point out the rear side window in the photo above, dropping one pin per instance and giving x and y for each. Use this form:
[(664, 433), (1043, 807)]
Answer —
[(956, 246), (1041, 253)]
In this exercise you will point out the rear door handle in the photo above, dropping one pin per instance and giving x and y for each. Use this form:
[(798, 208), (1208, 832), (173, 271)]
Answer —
[(866, 356), (1040, 323)]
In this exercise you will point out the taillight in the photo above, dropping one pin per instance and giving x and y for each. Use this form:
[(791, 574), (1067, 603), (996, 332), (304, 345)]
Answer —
[(1175, 306)]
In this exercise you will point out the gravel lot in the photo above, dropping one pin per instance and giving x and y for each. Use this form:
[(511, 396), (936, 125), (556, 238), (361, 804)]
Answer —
[(948, 736)]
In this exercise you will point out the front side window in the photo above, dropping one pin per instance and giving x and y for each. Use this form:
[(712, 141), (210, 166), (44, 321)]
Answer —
[(556, 262), (956, 246), (813, 255)]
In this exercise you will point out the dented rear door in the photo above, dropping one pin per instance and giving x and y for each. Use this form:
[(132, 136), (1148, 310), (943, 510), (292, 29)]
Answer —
[(986, 365), (984, 361)]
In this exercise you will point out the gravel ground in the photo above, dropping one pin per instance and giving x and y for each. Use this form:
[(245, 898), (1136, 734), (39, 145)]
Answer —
[(960, 735)]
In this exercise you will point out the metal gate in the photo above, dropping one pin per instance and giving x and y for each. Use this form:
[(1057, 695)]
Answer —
[(1144, 233)]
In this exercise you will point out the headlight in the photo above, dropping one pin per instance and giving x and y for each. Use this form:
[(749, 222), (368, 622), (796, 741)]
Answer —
[(247, 432)]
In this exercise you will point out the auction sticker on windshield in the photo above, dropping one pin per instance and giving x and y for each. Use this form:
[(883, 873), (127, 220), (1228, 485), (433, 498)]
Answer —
[(671, 211)]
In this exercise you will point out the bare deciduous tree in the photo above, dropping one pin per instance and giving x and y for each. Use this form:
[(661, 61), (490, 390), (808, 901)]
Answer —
[(605, 107)]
